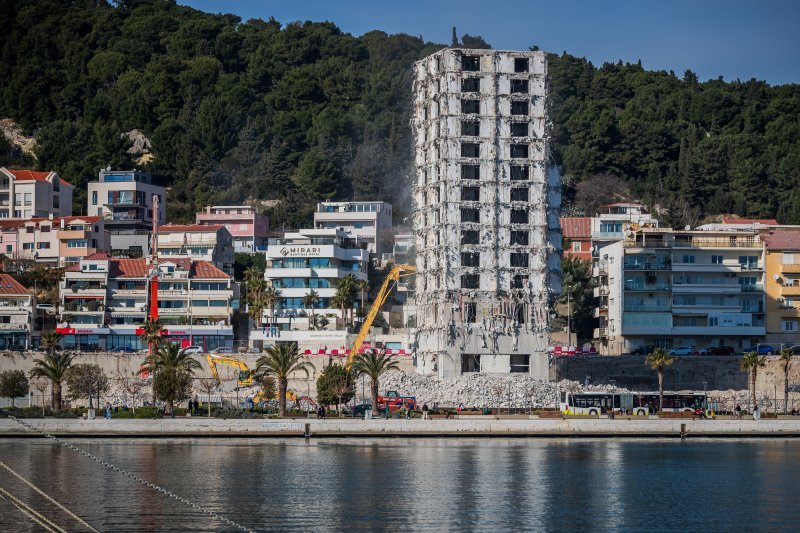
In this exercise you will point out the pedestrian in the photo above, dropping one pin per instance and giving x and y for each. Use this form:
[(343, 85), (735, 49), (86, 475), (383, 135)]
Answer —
[(460, 408), (107, 413), (408, 413), (196, 406), (756, 413), (425, 411), (387, 410)]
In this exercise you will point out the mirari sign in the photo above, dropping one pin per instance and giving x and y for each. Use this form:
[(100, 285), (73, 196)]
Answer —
[(300, 251)]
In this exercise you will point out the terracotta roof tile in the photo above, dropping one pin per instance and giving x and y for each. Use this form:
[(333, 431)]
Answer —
[(576, 227), (9, 285), (782, 240), (34, 175), (204, 269), (764, 221), (137, 268)]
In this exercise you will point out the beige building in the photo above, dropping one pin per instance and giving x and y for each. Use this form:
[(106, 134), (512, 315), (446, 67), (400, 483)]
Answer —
[(197, 242), (61, 240), (17, 306), (782, 286), (28, 193)]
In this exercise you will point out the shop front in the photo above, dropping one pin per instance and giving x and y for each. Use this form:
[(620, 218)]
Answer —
[(207, 338), (83, 339), (14, 339)]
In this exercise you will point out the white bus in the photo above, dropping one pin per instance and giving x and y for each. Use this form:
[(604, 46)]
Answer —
[(639, 404)]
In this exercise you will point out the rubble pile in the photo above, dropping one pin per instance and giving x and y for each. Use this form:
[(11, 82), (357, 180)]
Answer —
[(478, 390)]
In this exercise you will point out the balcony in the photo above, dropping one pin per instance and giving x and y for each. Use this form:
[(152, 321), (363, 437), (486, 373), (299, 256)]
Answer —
[(788, 290), (600, 311), (607, 235), (635, 308), (600, 291), (719, 331), (647, 287), (81, 234), (647, 266), (599, 333), (790, 269)]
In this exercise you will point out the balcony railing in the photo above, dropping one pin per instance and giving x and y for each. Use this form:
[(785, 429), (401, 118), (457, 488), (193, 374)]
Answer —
[(633, 308), (647, 287)]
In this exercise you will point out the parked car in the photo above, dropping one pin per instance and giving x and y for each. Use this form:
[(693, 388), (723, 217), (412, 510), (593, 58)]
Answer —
[(795, 349), (682, 350), (721, 350), (192, 349), (222, 349), (643, 350), (50, 309), (254, 350), (765, 349)]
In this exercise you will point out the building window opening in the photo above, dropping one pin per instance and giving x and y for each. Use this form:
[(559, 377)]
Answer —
[(470, 63), (519, 129), (519, 86), (470, 150), (519, 108), (470, 194), (470, 215), (470, 312), (519, 281), (520, 363), (519, 194), (519, 151), (470, 363), (469, 236), (470, 85), (519, 216), (520, 64), (519, 173), (519, 260), (519, 238), (470, 128), (471, 107), (470, 172), (470, 281), (470, 259)]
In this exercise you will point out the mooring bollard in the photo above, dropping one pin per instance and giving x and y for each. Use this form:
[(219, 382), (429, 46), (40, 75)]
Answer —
[(307, 433), (683, 431)]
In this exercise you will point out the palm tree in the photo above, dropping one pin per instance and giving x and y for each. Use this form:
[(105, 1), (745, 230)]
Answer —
[(254, 279), (280, 361), (54, 367), (346, 295), (786, 361), (271, 295), (659, 360), (170, 357), (49, 341), (151, 334), (309, 301), (374, 364), (749, 363)]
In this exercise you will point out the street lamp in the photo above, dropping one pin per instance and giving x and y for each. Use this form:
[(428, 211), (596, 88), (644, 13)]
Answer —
[(705, 398)]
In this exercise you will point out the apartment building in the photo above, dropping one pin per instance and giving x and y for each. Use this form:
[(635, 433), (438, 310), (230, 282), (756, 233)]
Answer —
[(198, 242), (248, 228), (17, 308), (681, 288), (61, 240), (306, 260), (782, 286), (29, 193), (125, 199), (369, 222), (104, 301), (619, 219), (578, 232), (486, 220)]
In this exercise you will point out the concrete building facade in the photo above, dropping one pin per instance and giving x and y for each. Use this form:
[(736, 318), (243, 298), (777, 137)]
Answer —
[(29, 193), (198, 242), (681, 288), (17, 309), (369, 222), (782, 286), (486, 220), (248, 228), (125, 199)]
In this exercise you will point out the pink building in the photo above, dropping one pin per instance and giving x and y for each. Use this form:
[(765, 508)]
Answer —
[(61, 240), (248, 228)]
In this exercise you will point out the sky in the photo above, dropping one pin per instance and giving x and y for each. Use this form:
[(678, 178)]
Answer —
[(730, 38)]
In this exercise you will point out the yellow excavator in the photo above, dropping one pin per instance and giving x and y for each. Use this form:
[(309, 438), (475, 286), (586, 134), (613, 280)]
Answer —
[(245, 375), (397, 272)]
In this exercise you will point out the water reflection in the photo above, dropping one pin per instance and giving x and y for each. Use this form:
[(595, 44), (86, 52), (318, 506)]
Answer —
[(431, 484)]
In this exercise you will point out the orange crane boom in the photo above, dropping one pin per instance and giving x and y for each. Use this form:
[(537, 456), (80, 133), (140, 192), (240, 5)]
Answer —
[(397, 272)]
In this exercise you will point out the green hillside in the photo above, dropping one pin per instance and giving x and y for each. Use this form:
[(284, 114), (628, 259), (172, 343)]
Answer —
[(239, 110)]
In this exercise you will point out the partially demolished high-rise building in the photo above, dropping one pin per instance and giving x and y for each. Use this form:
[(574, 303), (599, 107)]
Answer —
[(487, 235)]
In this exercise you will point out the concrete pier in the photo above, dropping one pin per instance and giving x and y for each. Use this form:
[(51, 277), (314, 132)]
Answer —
[(415, 428)]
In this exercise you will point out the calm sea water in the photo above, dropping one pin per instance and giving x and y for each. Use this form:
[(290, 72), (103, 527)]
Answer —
[(418, 485)]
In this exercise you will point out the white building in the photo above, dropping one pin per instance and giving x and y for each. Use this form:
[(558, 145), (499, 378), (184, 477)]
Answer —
[(306, 260), (617, 220), (370, 222), (104, 301), (29, 194), (486, 223), (17, 308), (681, 288), (197, 242)]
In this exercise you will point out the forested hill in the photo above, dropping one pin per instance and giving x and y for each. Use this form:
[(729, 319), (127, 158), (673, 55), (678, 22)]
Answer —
[(255, 110)]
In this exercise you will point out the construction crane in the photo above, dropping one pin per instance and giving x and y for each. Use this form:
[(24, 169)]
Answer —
[(245, 375), (397, 272), (152, 273)]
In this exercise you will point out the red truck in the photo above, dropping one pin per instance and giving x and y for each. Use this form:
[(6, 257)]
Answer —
[(395, 401)]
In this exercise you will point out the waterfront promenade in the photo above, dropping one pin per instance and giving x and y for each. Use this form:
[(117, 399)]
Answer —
[(200, 427)]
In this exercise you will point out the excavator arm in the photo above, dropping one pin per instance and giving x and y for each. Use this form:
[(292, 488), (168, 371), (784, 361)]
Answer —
[(395, 274), (245, 376)]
